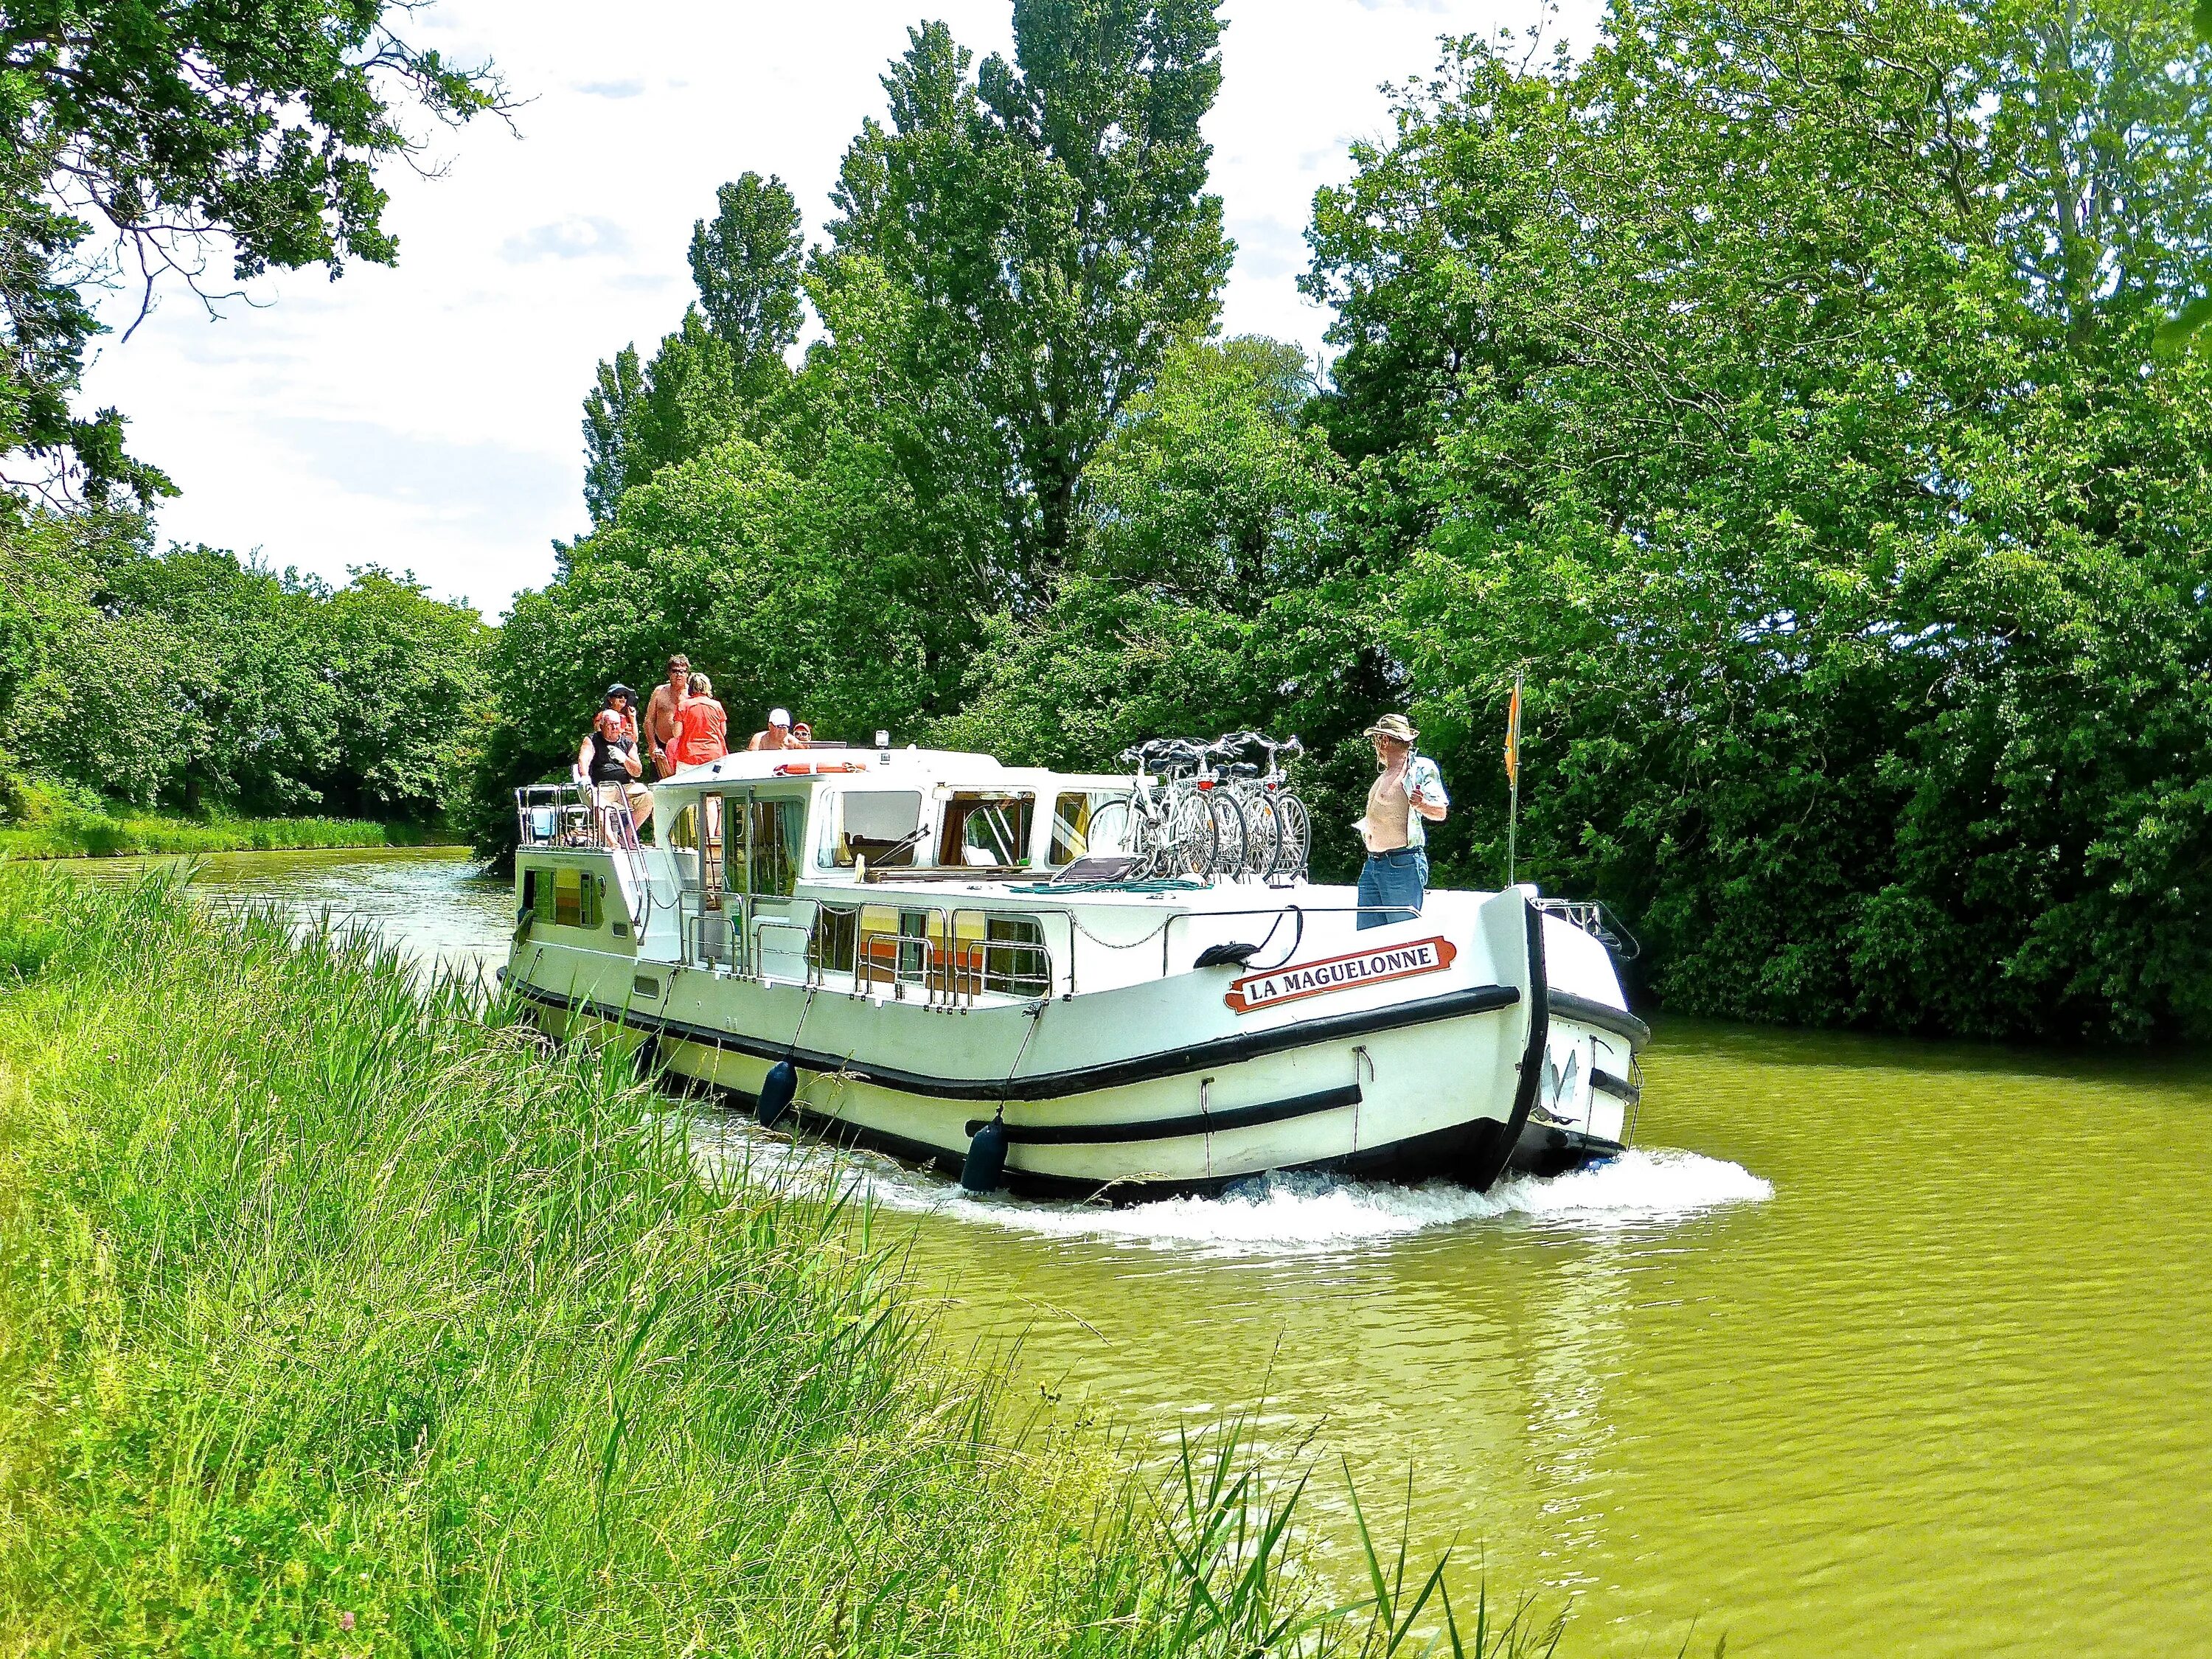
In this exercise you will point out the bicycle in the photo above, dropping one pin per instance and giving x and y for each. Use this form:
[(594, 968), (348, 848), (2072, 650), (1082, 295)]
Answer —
[(1278, 830), (1172, 828)]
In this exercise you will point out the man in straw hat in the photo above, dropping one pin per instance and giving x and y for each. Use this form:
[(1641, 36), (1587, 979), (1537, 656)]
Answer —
[(1407, 798)]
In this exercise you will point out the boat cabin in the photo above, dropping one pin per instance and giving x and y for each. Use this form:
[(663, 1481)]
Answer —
[(914, 872)]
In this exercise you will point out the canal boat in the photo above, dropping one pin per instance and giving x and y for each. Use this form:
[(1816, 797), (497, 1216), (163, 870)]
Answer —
[(930, 953)]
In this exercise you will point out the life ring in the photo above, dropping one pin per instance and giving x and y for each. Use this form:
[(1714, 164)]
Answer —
[(812, 769)]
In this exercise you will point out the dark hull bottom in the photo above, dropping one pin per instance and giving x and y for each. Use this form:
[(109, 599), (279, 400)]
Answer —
[(1456, 1154), (1544, 1149)]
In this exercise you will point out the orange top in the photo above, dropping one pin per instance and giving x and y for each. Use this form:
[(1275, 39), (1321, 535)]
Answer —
[(700, 728)]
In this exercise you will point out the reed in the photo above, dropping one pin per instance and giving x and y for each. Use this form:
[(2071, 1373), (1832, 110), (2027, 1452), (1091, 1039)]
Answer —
[(104, 835), (339, 1315)]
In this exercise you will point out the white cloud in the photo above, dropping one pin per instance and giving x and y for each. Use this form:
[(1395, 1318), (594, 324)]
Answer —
[(567, 239), (428, 416)]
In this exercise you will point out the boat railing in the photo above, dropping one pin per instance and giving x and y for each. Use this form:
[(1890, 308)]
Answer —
[(557, 815), (709, 940), (574, 817), (1275, 913), (758, 924), (949, 969), (1595, 919)]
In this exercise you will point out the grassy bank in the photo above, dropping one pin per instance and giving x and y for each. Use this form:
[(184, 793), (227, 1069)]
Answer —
[(101, 835), (337, 1318)]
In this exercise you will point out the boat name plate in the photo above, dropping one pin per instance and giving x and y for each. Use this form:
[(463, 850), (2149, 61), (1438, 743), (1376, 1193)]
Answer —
[(1345, 973)]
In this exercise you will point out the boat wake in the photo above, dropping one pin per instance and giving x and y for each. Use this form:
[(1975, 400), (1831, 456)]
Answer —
[(1285, 1213), (1291, 1213)]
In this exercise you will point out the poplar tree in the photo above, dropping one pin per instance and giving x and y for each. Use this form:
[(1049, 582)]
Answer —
[(746, 262), (1049, 216)]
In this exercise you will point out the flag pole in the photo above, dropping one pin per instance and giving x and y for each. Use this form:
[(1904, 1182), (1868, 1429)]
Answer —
[(1513, 784)]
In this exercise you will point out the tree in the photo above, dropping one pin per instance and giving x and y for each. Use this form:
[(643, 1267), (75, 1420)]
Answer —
[(1049, 218), (746, 264), (194, 681), (1776, 385), (1209, 594), (1211, 489), (609, 407), (683, 402), (159, 126)]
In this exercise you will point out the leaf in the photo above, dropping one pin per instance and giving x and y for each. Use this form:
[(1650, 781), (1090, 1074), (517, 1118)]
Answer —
[(2181, 332)]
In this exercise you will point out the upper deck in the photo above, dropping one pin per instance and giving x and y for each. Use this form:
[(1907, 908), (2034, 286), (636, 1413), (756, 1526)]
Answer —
[(932, 873)]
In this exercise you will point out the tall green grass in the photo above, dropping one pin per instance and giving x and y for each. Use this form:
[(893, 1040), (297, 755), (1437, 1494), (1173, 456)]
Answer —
[(338, 1316), (105, 835)]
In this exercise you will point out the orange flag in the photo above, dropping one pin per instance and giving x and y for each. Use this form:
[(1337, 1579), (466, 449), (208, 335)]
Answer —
[(1513, 736)]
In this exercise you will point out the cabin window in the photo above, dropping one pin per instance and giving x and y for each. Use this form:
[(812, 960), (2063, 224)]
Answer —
[(681, 831), (986, 830), (1014, 959), (760, 853), (576, 898), (529, 891), (1090, 823), (869, 823)]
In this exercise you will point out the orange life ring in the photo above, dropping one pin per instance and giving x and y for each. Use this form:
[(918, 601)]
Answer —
[(812, 769)]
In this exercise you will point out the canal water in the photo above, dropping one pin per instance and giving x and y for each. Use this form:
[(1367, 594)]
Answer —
[(1873, 1348)]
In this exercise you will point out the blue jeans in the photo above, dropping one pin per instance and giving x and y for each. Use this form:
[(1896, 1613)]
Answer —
[(1391, 885)]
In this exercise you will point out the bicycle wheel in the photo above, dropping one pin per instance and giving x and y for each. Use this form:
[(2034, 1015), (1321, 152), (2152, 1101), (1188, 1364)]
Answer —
[(1263, 833), (1194, 842), (1296, 845), (1112, 830), (1230, 855)]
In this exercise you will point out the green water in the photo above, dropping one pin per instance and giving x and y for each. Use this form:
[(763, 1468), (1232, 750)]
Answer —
[(1877, 1348)]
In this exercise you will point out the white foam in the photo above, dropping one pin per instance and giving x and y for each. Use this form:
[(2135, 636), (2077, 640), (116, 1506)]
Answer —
[(1290, 1214)]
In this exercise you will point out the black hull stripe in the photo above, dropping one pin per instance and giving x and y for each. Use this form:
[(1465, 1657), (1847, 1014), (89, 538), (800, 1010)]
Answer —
[(1500, 1152), (1172, 1129), (1567, 1005), (1458, 1153), (1053, 1085)]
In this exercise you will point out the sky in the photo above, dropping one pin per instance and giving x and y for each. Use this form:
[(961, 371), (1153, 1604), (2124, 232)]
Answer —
[(425, 417)]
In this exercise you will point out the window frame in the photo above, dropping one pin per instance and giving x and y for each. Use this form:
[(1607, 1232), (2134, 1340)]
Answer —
[(959, 807)]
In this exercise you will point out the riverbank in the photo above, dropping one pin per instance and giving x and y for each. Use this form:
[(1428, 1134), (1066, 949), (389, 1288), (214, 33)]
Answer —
[(103, 835), (335, 1313)]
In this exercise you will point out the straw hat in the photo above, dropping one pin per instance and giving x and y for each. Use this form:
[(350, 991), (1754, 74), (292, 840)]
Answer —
[(1393, 725)]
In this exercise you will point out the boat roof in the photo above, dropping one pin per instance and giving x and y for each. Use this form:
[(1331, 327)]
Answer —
[(910, 768)]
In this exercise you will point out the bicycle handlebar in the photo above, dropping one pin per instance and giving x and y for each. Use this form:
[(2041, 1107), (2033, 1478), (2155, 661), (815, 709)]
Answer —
[(1228, 749)]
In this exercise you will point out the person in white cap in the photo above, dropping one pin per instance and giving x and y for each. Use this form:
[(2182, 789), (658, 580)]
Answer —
[(1407, 796), (778, 735)]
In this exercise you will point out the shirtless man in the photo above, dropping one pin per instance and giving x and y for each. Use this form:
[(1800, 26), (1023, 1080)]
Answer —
[(1407, 796), (778, 735), (660, 713)]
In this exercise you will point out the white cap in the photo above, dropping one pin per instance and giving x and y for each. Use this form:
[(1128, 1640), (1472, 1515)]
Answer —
[(779, 717)]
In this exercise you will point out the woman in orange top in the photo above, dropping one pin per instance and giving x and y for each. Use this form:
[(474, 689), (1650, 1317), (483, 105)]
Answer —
[(701, 727)]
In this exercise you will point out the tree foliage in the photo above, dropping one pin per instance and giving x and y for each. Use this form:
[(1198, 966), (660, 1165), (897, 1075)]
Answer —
[(1779, 387), (745, 262), (699, 387), (137, 130), (192, 681), (1775, 386), (1049, 216)]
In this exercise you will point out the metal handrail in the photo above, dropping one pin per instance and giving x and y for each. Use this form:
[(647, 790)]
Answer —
[(1597, 919), (944, 983), (571, 815), (760, 924), (1167, 931)]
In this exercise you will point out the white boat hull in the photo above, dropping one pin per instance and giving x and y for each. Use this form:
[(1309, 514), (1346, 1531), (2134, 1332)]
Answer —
[(1465, 1064)]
